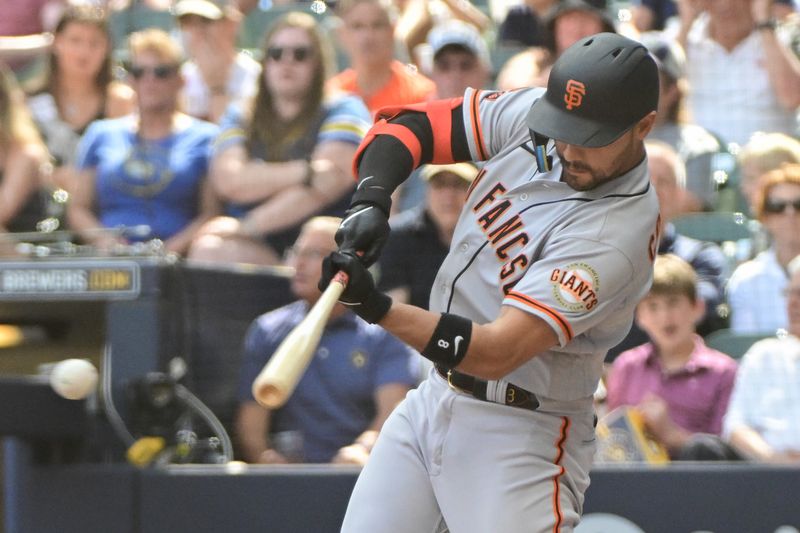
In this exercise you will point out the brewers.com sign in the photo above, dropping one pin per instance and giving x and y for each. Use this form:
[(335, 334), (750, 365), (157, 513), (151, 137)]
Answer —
[(69, 280)]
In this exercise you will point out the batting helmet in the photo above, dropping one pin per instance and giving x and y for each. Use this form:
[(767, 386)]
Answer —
[(598, 89)]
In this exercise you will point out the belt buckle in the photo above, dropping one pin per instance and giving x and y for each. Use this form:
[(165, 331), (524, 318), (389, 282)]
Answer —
[(451, 385)]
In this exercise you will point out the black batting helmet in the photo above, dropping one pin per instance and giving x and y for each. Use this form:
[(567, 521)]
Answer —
[(598, 89)]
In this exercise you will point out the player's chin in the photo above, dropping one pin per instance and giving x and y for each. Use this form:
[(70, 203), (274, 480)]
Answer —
[(579, 182)]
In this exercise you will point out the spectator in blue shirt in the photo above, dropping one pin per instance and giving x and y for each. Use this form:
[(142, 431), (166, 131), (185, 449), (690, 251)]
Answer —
[(358, 374), (149, 168)]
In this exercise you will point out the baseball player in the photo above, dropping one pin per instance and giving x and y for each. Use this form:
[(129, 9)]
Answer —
[(551, 253)]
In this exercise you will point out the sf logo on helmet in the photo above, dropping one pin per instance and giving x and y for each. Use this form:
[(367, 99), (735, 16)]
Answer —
[(573, 96)]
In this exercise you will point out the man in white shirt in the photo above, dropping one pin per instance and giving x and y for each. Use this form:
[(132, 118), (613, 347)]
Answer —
[(763, 417), (216, 74), (742, 75)]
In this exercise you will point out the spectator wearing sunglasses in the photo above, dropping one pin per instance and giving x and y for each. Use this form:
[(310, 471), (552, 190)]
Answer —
[(756, 289), (149, 168), (216, 73), (287, 155)]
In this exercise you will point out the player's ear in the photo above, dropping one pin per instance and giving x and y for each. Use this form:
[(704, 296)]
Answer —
[(646, 124)]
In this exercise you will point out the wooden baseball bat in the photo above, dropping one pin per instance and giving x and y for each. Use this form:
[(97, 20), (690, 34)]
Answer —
[(280, 375)]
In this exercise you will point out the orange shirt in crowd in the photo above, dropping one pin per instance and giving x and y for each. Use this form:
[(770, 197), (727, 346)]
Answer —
[(406, 86)]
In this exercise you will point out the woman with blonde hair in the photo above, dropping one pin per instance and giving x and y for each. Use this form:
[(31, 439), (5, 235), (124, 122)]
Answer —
[(147, 169), (78, 86), (287, 156), (23, 159), (756, 289)]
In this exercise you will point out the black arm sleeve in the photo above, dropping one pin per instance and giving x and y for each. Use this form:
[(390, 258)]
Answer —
[(387, 161)]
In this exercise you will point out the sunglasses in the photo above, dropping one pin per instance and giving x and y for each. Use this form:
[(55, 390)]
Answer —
[(299, 53), (779, 206), (160, 72)]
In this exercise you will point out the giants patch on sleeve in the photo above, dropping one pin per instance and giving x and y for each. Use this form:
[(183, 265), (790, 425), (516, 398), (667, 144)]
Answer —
[(575, 286)]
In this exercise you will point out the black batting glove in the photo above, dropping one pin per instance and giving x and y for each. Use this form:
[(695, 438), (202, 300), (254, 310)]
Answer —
[(360, 295), (363, 232)]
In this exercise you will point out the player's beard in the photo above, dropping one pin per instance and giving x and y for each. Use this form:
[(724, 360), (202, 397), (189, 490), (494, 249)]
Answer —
[(582, 177)]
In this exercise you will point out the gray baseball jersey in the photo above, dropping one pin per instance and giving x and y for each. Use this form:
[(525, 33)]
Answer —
[(580, 260)]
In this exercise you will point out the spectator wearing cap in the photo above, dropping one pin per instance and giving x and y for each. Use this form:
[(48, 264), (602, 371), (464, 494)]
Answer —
[(460, 59), (367, 36), (216, 74), (696, 146), (743, 75), (420, 237), (523, 25), (566, 23), (572, 20)]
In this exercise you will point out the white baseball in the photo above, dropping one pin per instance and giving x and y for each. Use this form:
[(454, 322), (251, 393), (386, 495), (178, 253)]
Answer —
[(73, 379)]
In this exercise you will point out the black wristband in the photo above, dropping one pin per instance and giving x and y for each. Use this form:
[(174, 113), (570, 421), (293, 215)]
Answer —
[(450, 340), (374, 308)]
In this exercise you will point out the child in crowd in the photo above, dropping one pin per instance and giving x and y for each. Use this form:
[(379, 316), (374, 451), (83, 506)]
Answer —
[(680, 387)]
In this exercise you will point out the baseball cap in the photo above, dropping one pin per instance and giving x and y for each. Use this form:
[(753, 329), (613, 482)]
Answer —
[(595, 7), (598, 89), (208, 9), (465, 171), (458, 33), (668, 54)]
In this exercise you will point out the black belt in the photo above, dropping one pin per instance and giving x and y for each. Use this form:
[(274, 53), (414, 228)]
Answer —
[(514, 396)]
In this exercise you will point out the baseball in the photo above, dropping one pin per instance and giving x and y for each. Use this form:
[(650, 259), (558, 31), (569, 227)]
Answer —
[(73, 379)]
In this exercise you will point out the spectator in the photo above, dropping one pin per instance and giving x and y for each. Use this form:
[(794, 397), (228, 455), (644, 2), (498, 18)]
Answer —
[(528, 68), (416, 18), (649, 15), (572, 20), (22, 159), (763, 417), (368, 39), (25, 32), (523, 25), (146, 169), (680, 387), (698, 148), (358, 374), (668, 175), (216, 73), (287, 156), (756, 290), (420, 237), (460, 59), (762, 153), (78, 87), (742, 76)]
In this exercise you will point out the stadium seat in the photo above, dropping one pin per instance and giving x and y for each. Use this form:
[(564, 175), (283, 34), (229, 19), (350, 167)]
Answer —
[(732, 343), (716, 226)]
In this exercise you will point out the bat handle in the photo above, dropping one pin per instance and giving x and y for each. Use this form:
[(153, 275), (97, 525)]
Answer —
[(341, 277)]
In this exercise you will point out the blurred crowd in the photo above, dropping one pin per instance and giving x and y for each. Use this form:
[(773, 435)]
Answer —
[(220, 128)]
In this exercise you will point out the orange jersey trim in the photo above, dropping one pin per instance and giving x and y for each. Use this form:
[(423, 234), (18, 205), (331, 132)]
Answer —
[(549, 311), (479, 177), (562, 438), (477, 133)]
